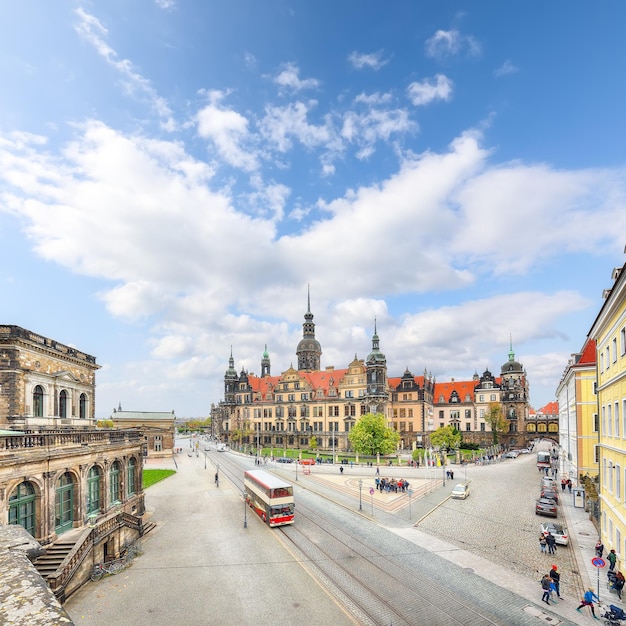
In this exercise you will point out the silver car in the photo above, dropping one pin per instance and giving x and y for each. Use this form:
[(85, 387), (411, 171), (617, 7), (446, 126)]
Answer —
[(460, 491)]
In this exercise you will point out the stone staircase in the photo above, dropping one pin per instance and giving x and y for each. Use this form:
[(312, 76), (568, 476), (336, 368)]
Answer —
[(56, 552)]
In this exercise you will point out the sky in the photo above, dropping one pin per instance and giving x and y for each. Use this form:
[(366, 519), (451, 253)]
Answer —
[(175, 175)]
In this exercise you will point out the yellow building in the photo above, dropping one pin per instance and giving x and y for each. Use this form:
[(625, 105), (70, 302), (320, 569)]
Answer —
[(578, 415), (609, 333)]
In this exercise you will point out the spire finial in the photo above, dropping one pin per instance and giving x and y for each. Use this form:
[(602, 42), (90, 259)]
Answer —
[(308, 297)]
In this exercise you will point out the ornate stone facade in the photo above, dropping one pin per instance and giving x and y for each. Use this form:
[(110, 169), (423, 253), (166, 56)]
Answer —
[(44, 383)]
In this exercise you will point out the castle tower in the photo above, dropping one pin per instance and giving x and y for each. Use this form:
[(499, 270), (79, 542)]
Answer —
[(265, 363), (376, 365), (309, 350)]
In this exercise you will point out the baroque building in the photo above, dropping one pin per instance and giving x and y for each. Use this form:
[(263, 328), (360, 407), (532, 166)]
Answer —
[(290, 409), (74, 488)]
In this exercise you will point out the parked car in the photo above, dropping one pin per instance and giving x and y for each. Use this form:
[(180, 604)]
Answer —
[(558, 531), (512, 454), (307, 461), (546, 481), (460, 491), (544, 506), (549, 492), (284, 459)]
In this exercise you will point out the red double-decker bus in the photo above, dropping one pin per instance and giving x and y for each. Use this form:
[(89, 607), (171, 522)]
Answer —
[(269, 496)]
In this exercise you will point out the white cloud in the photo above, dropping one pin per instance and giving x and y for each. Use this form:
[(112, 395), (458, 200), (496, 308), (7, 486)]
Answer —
[(289, 78), (165, 4), (282, 124), (93, 31), (424, 92), (505, 69), (140, 215), (228, 132), (373, 60), (445, 44)]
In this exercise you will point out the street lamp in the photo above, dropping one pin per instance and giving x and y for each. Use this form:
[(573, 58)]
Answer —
[(443, 464), (245, 512), (360, 500), (297, 463)]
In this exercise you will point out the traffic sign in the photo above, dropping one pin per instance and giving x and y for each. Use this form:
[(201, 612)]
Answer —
[(598, 562)]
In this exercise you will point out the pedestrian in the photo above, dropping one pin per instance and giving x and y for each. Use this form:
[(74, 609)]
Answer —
[(551, 543), (618, 585), (542, 542), (588, 600), (612, 559), (599, 548), (569, 485), (556, 580), (377, 471), (545, 585), (563, 483), (341, 469), (451, 475)]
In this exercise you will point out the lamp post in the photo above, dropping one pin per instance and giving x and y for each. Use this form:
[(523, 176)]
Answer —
[(360, 500), (410, 492), (443, 464), (297, 463), (245, 512)]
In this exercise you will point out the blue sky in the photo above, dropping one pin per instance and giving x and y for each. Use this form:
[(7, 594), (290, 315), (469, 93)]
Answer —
[(173, 174)]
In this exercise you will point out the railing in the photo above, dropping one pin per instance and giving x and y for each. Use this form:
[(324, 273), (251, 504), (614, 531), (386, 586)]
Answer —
[(50, 440), (59, 580)]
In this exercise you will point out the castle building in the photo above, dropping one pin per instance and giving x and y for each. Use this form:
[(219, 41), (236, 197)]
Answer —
[(311, 407)]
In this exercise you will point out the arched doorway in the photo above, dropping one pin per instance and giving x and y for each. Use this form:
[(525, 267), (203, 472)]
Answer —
[(22, 507), (64, 503)]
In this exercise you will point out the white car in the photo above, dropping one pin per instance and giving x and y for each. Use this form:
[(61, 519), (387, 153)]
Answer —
[(559, 532), (460, 491)]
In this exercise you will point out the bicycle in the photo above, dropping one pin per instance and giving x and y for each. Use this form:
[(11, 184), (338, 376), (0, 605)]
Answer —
[(112, 567)]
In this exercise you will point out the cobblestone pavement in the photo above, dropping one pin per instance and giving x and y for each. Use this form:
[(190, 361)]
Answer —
[(498, 521)]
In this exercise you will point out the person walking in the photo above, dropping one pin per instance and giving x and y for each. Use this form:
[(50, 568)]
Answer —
[(545, 585), (543, 544), (599, 548), (551, 543), (612, 559), (556, 580), (588, 600)]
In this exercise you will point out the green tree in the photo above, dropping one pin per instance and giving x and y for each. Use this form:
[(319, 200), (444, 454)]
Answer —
[(496, 420), (313, 443), (446, 437), (371, 435)]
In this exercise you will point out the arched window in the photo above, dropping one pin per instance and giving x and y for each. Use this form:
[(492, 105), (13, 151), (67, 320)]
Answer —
[(63, 403), (82, 406), (22, 507), (114, 483), (93, 491), (38, 401), (132, 477)]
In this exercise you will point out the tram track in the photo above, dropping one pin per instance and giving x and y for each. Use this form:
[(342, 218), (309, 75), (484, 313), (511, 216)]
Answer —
[(377, 588), (376, 583)]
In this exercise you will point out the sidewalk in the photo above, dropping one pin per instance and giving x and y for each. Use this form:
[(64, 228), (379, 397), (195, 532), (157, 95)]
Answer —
[(583, 538)]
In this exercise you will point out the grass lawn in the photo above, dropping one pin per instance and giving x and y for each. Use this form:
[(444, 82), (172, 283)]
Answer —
[(152, 476)]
